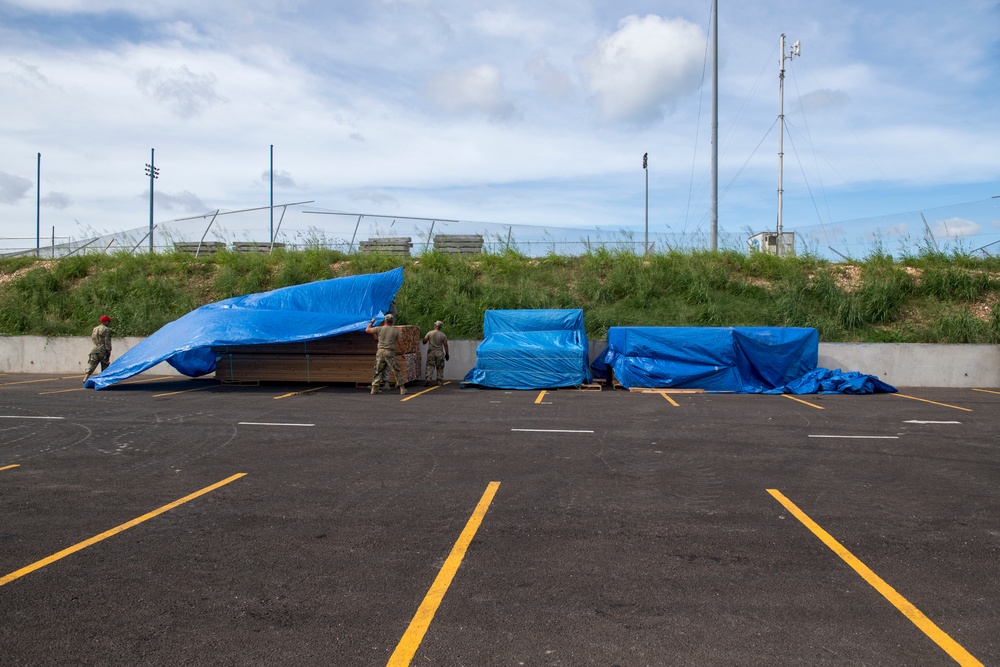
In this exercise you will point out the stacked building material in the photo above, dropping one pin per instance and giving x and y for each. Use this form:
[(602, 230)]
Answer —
[(347, 358)]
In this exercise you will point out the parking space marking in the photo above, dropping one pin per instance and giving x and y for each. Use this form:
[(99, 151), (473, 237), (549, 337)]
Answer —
[(859, 437), (37, 565), (120, 384), (269, 424), (183, 391), (921, 421), (12, 465), (296, 393), (924, 400), (419, 393), (986, 391), (670, 400), (75, 377), (27, 417), (541, 395), (547, 430), (936, 634), (415, 632), (799, 400)]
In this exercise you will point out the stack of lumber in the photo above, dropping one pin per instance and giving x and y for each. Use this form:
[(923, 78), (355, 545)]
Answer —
[(255, 246), (398, 245), (346, 358), (461, 244), (203, 248)]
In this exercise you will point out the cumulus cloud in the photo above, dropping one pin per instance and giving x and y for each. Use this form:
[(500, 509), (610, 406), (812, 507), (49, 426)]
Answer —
[(56, 200), (182, 91), (642, 70), (506, 23), (553, 83), (282, 179), (182, 201), (477, 89), (13, 188), (955, 227)]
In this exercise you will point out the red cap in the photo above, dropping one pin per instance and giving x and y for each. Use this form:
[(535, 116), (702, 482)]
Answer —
[(105, 319)]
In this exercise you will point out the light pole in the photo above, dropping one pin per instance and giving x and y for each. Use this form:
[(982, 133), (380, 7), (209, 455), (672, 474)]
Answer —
[(38, 209), (645, 168), (153, 174)]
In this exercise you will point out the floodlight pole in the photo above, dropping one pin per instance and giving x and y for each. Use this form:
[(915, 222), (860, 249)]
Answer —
[(715, 128)]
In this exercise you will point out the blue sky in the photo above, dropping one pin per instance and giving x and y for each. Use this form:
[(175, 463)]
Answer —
[(517, 112)]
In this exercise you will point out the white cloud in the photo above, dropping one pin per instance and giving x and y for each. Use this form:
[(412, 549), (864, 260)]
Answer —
[(646, 67), (282, 179), (956, 227), (182, 201), (13, 188), (476, 89), (185, 93), (823, 100), (372, 196), (507, 23), (553, 83)]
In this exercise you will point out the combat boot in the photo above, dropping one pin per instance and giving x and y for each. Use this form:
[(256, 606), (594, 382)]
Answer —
[(402, 390)]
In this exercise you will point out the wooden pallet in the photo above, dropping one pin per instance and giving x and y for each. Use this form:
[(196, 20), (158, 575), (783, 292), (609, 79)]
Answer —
[(255, 246), (389, 245), (195, 248), (461, 244), (309, 368)]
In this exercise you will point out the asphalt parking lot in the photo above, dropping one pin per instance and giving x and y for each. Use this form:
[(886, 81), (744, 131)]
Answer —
[(179, 522)]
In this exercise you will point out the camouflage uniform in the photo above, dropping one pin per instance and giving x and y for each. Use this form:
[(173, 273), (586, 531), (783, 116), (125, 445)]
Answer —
[(101, 352), (435, 340), (385, 357)]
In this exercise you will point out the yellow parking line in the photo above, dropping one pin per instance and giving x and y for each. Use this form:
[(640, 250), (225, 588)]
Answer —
[(12, 465), (799, 400), (541, 395), (937, 635), (986, 391), (184, 391), (62, 391), (414, 634), (404, 400), (8, 384), (296, 393), (670, 400), (37, 565), (914, 398)]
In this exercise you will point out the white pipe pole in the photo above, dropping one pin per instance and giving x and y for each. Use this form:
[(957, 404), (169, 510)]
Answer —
[(781, 132), (715, 126)]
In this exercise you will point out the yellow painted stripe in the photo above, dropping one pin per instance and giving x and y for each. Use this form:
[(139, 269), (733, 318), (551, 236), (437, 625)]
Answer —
[(670, 400), (414, 634), (541, 395), (62, 391), (183, 391), (296, 393), (924, 400), (404, 400), (937, 635), (37, 565), (12, 465), (986, 391), (8, 384), (799, 400)]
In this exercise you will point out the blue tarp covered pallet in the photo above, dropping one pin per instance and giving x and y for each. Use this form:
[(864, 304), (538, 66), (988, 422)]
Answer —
[(531, 349), (747, 360), (287, 315), (736, 359)]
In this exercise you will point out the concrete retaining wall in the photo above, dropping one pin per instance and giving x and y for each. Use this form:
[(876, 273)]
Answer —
[(901, 365)]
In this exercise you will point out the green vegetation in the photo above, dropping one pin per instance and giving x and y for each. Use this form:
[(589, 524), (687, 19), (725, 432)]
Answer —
[(925, 298)]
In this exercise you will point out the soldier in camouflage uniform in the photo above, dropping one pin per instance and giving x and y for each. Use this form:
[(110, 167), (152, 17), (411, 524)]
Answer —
[(437, 353), (385, 354), (101, 352)]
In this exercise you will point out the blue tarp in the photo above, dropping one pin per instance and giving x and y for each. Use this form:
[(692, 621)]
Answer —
[(287, 315), (826, 381), (735, 359), (531, 349)]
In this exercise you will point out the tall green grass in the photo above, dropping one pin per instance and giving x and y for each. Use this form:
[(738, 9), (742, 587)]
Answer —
[(929, 297)]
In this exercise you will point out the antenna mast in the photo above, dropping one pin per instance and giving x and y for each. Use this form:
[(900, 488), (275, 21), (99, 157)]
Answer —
[(781, 125)]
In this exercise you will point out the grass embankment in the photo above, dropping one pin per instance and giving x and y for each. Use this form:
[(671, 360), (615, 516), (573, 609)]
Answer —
[(928, 298)]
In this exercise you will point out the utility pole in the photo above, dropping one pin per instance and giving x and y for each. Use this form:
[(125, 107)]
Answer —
[(781, 125), (38, 209), (153, 174), (272, 195), (645, 168)]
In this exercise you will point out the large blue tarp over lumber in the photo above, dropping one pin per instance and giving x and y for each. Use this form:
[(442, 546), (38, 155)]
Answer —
[(287, 315), (734, 359), (531, 349)]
